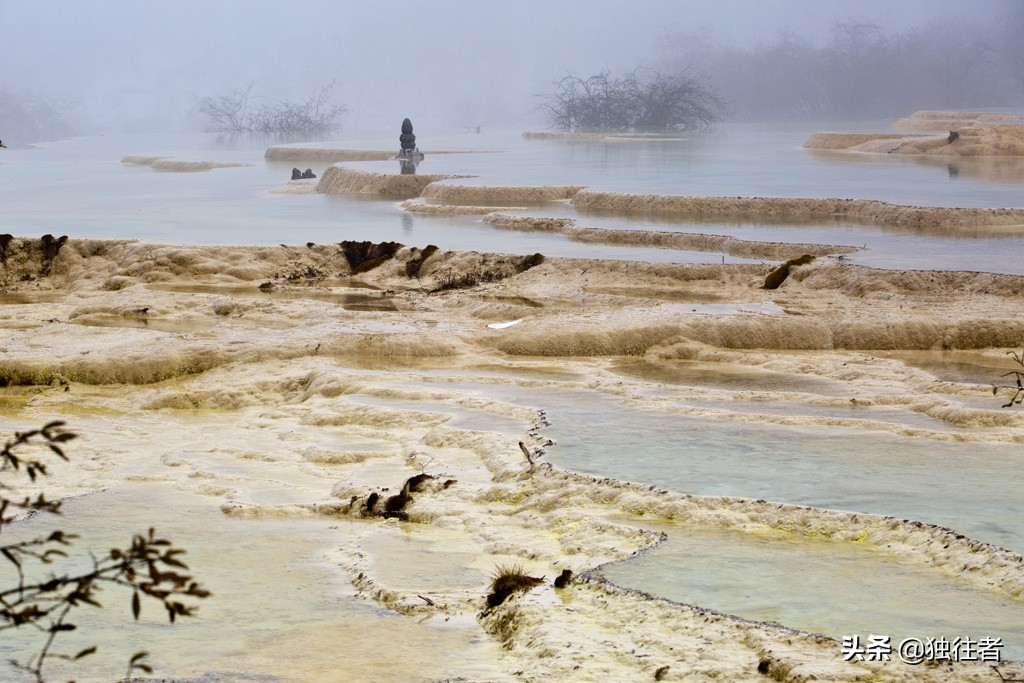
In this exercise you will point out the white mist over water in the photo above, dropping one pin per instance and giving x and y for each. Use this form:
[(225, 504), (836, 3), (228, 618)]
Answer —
[(128, 67), (81, 188), (278, 445)]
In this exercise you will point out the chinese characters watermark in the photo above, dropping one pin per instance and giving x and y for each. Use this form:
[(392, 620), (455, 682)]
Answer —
[(879, 648)]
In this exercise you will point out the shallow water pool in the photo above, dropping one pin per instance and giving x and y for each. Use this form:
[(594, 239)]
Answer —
[(835, 589)]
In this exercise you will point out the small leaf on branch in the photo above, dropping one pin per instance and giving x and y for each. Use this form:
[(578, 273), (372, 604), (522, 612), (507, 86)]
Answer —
[(86, 652)]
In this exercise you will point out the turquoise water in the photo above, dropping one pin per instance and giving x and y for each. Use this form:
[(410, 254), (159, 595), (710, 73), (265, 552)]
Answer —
[(813, 585), (817, 587), (79, 188), (972, 488)]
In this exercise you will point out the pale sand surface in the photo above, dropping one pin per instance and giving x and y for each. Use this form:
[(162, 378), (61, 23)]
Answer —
[(775, 251), (178, 165), (977, 135), (339, 180), (295, 404)]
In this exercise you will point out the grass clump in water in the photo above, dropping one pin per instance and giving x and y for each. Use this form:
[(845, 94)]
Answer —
[(508, 580)]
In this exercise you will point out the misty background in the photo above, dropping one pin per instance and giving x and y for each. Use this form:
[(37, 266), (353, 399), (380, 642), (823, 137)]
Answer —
[(105, 66)]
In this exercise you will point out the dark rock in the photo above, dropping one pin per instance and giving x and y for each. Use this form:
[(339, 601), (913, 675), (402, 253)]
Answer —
[(364, 256), (528, 262), (296, 174), (779, 275), (5, 241), (510, 581), (563, 579), (51, 247), (308, 173), (415, 264), (953, 137), (417, 482)]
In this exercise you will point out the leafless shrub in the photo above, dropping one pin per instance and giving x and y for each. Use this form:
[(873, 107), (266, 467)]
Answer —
[(645, 101), (29, 117), (151, 567), (237, 112), (1018, 376)]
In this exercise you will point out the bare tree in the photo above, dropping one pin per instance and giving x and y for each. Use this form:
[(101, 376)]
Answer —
[(28, 117), (228, 113), (151, 567), (863, 71), (1018, 376), (644, 101), (236, 112), (1012, 52)]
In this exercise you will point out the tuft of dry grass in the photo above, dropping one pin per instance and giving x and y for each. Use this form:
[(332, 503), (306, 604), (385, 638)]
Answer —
[(509, 579)]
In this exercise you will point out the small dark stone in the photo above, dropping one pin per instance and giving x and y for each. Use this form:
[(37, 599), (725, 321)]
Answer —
[(5, 241), (779, 275), (414, 264), (397, 502), (51, 247), (563, 579), (296, 174), (417, 482), (308, 173), (364, 256), (528, 262), (371, 501), (953, 137), (508, 582)]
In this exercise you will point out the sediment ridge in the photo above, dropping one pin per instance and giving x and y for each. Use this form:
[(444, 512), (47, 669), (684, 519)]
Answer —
[(776, 251), (283, 367), (454, 193), (780, 209), (341, 180), (965, 135), (178, 165)]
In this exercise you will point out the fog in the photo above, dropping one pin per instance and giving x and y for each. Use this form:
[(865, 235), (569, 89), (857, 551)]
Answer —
[(116, 65)]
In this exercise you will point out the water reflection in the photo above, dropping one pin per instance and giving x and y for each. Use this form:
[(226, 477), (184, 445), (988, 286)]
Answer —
[(835, 589), (79, 187), (975, 491), (695, 373), (21, 298), (1005, 170), (352, 301), (280, 610)]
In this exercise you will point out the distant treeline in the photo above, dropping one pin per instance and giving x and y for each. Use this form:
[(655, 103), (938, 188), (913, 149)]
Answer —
[(26, 118), (861, 71), (644, 101), (235, 113)]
